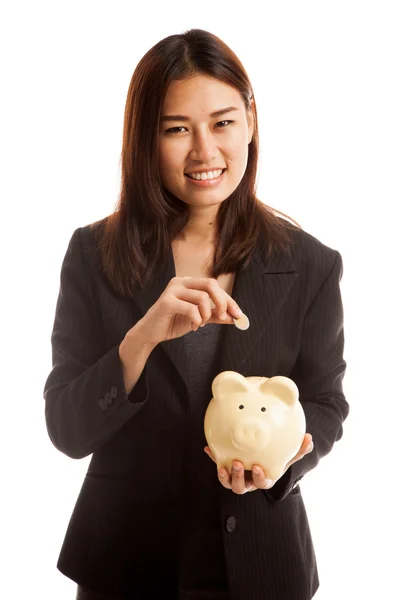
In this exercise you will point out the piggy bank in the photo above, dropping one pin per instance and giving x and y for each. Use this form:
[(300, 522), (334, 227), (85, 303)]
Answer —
[(257, 420)]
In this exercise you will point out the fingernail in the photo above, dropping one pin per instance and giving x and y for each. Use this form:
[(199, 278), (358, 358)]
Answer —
[(223, 316), (269, 483), (310, 447), (236, 468), (221, 474), (256, 471), (238, 312)]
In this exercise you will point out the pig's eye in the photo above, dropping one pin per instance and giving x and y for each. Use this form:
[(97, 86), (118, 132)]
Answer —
[(241, 406), (263, 409)]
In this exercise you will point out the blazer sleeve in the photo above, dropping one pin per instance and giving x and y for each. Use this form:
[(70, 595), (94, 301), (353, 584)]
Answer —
[(85, 397), (318, 374)]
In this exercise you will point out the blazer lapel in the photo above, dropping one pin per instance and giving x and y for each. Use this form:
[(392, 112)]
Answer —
[(259, 290), (147, 296)]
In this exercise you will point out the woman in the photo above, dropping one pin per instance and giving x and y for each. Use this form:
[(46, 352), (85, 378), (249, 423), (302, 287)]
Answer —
[(134, 353)]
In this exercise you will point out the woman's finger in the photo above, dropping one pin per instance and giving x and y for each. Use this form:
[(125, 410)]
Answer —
[(306, 447), (214, 304), (228, 320), (238, 478), (217, 295), (307, 441), (224, 478), (260, 479), (209, 453)]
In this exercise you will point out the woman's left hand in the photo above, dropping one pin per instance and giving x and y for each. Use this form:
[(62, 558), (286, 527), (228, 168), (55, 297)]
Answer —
[(241, 481)]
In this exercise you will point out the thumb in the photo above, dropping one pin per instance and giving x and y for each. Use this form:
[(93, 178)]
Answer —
[(216, 320)]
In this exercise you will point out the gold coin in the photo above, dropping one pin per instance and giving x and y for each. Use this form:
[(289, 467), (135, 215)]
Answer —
[(242, 323)]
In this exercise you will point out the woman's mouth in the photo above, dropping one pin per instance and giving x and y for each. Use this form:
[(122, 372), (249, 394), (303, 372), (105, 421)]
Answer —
[(206, 179)]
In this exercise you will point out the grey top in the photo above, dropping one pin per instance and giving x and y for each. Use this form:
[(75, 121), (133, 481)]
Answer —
[(201, 348), (202, 555)]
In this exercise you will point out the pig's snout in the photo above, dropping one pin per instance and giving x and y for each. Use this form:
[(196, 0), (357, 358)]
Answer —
[(249, 434)]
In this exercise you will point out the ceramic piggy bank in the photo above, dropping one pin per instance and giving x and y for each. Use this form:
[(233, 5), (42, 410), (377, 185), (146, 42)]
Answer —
[(257, 420)]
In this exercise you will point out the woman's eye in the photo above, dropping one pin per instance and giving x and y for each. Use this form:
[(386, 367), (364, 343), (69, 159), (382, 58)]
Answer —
[(228, 122), (174, 129)]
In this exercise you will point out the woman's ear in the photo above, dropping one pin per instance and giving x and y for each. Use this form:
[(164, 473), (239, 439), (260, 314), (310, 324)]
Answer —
[(282, 388), (229, 382)]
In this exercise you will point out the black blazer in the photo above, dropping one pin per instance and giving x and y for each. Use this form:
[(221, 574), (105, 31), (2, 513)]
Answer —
[(123, 534)]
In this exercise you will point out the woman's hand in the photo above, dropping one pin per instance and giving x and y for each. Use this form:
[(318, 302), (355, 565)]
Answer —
[(185, 306), (241, 481)]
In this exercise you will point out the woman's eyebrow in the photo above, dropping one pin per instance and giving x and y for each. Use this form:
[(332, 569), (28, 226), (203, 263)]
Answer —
[(217, 113)]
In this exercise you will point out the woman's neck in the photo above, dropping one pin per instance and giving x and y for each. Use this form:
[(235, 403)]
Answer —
[(200, 228)]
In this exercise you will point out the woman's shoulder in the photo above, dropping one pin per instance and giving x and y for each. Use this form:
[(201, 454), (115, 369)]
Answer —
[(307, 242), (311, 252), (84, 243), (89, 231), (88, 234)]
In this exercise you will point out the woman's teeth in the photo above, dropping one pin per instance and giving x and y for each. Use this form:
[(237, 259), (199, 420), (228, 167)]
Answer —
[(206, 175)]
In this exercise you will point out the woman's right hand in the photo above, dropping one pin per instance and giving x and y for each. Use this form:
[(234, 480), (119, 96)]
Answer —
[(185, 306)]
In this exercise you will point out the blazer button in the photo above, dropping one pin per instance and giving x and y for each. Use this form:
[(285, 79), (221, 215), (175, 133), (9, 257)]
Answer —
[(230, 524), (102, 404), (108, 398), (114, 392)]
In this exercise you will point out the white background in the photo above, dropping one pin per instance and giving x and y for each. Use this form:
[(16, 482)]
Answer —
[(326, 82)]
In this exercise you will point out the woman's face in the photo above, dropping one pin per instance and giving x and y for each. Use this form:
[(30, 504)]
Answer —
[(195, 141)]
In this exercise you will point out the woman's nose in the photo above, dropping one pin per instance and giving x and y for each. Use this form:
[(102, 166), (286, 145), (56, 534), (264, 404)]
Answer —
[(203, 148)]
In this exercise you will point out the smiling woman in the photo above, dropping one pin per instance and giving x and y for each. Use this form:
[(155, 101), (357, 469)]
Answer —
[(173, 130), (213, 157), (142, 328)]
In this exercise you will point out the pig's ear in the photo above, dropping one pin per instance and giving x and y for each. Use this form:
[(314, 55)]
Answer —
[(282, 387), (229, 382)]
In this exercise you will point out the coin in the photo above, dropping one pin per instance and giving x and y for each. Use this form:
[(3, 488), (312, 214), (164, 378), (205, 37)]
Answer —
[(242, 323)]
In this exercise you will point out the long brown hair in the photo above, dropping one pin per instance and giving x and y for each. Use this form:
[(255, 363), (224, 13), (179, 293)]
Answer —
[(136, 237)]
